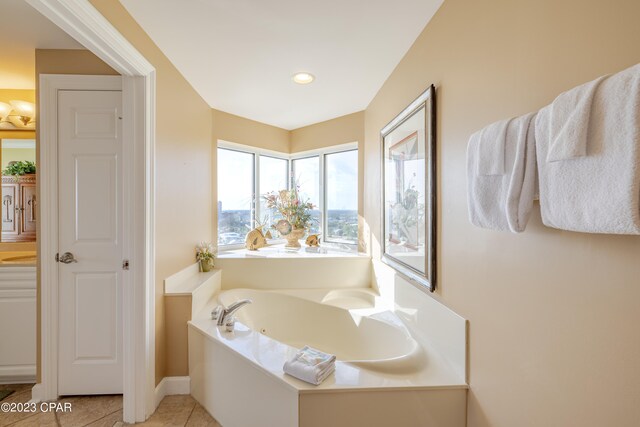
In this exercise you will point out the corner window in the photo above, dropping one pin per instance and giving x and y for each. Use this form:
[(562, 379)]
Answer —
[(328, 178), (235, 196), (273, 177), (341, 177), (306, 173)]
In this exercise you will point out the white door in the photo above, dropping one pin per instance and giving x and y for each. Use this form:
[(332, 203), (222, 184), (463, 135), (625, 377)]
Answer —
[(90, 215)]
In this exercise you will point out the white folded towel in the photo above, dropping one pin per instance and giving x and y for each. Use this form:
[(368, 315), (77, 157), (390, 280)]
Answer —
[(599, 192), (491, 149), (502, 201), (569, 124), (310, 365)]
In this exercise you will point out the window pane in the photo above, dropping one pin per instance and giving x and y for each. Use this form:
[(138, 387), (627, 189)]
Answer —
[(235, 195), (307, 177), (273, 177), (342, 196)]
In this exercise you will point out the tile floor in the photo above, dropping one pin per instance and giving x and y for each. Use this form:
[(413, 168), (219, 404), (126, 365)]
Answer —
[(103, 411)]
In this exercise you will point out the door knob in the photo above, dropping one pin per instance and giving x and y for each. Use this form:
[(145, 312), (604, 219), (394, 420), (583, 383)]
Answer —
[(66, 258)]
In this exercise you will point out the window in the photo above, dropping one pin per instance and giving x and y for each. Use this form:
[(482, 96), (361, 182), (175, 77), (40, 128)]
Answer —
[(306, 174), (341, 176), (273, 177), (235, 198), (328, 178)]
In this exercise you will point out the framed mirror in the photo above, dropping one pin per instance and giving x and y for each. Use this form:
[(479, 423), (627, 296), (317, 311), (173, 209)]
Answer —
[(409, 192)]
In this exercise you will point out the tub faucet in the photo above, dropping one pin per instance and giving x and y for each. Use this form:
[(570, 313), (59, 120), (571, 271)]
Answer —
[(222, 314)]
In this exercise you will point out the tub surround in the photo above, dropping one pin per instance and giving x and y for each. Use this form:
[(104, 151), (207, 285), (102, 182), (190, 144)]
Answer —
[(425, 370), (185, 293), (433, 377), (274, 268)]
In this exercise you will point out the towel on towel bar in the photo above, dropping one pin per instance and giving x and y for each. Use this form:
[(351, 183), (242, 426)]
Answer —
[(600, 191), (502, 201), (310, 365), (491, 148), (569, 122)]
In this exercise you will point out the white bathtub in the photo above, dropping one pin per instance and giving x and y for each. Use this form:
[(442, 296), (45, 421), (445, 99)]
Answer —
[(381, 371), (379, 343)]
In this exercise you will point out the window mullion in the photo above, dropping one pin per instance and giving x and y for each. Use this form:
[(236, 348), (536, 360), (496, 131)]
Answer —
[(256, 189), (322, 196)]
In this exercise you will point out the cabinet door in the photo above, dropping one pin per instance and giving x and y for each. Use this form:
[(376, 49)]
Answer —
[(28, 210), (9, 223)]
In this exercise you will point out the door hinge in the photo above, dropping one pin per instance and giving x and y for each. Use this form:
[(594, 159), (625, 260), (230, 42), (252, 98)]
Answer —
[(57, 257), (125, 264)]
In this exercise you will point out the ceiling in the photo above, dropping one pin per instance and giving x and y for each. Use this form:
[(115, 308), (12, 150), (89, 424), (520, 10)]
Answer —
[(240, 54), (22, 30)]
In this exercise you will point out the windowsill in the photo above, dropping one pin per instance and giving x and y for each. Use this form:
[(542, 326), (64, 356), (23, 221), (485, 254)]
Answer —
[(279, 251)]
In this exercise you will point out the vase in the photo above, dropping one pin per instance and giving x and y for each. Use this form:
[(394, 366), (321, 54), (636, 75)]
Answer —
[(293, 238), (206, 265)]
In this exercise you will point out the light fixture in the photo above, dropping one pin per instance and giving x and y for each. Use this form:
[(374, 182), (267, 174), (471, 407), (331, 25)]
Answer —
[(17, 115), (5, 109), (303, 78)]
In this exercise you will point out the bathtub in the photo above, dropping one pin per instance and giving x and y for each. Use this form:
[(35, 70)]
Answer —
[(382, 371), (379, 343)]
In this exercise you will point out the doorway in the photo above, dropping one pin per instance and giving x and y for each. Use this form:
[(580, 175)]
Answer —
[(79, 19)]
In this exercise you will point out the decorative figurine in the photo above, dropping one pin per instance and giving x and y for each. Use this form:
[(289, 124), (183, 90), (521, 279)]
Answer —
[(313, 240), (255, 238)]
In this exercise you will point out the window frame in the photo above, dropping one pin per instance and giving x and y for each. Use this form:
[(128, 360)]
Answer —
[(321, 153), (324, 212), (255, 191)]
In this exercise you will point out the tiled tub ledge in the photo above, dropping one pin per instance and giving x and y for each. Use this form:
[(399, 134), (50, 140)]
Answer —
[(237, 376)]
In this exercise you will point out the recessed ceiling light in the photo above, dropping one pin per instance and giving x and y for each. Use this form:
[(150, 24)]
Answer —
[(303, 78)]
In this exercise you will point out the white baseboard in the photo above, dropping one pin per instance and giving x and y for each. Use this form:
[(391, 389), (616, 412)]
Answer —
[(172, 385), (36, 393)]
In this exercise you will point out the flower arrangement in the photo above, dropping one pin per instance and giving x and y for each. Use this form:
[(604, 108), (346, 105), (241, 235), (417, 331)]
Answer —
[(205, 255), (295, 211)]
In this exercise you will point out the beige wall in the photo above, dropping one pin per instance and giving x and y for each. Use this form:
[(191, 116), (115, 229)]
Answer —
[(341, 130), (240, 130), (15, 155), (70, 61), (553, 314)]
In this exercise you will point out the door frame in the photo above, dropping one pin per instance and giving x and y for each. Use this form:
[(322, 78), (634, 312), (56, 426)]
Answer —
[(138, 82)]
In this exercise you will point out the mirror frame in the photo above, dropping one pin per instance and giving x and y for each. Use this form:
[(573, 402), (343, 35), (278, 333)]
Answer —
[(428, 278)]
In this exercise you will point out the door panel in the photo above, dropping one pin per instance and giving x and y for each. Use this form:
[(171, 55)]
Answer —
[(9, 201), (90, 227), (96, 179), (88, 288), (28, 211)]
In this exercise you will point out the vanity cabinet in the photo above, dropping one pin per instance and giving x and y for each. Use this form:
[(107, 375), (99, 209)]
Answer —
[(19, 208), (17, 324)]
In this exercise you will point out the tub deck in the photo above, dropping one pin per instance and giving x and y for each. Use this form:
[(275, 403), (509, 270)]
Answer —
[(269, 356)]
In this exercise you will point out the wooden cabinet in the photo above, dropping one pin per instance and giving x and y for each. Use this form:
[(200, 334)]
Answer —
[(19, 208)]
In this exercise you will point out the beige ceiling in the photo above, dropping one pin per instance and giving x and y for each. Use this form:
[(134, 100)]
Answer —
[(22, 30), (240, 54)]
